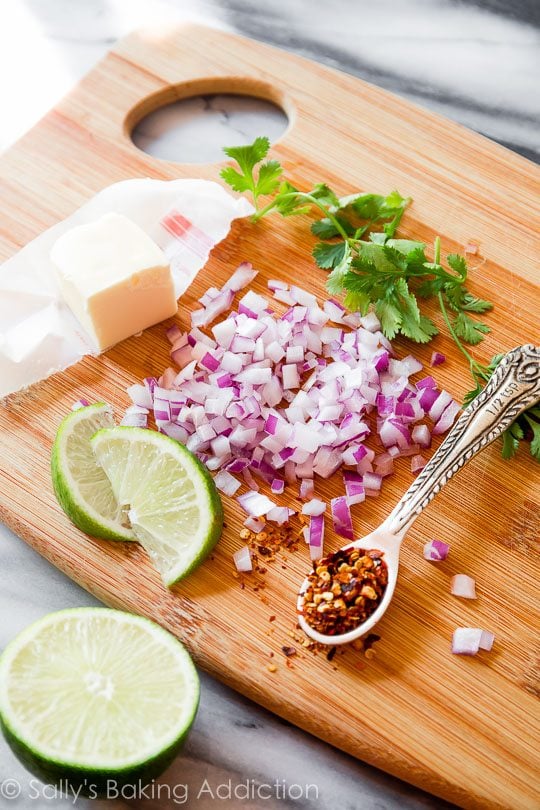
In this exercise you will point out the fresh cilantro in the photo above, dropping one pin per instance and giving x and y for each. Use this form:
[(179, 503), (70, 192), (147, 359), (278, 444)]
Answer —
[(247, 157), (328, 255), (470, 331), (373, 267)]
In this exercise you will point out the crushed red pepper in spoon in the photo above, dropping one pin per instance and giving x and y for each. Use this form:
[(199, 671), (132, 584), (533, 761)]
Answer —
[(344, 589)]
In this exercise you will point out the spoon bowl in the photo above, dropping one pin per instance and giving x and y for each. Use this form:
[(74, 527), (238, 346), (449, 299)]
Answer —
[(513, 388), (389, 545)]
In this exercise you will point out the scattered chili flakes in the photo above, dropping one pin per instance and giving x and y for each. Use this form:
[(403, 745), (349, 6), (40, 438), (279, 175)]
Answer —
[(331, 652), (369, 640), (344, 589), (288, 651), (271, 618), (271, 668)]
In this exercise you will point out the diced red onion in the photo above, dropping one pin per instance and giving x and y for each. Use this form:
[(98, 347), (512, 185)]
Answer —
[(426, 382), (463, 586), (354, 487), (254, 524), (447, 419), (242, 560), (417, 464), (466, 640), (370, 322), (441, 403), (255, 504), (437, 358), (291, 393), (307, 488), (486, 640), (242, 276), (277, 486), (436, 550), (341, 517), (421, 435), (314, 507), (83, 403), (226, 483), (316, 537), (275, 284)]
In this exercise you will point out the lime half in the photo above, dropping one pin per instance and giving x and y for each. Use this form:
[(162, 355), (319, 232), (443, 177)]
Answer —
[(80, 485), (170, 498), (90, 695)]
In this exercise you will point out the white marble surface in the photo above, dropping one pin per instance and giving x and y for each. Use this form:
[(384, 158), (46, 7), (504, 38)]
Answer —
[(476, 62)]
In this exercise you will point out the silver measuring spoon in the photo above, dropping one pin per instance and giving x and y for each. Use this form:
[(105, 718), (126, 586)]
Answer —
[(514, 387)]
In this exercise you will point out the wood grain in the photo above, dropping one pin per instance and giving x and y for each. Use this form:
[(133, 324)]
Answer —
[(461, 728)]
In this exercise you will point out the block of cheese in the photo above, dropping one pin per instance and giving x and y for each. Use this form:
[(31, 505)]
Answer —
[(114, 278)]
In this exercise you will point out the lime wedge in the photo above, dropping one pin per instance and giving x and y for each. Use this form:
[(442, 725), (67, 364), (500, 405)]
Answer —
[(170, 498), (90, 695), (80, 485)]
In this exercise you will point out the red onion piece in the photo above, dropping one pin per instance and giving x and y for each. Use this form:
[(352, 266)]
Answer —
[(486, 640), (437, 358), (354, 487), (417, 464), (307, 488), (316, 537), (466, 640), (341, 517), (277, 486), (463, 586), (226, 483), (314, 507), (421, 435), (83, 403), (255, 504), (254, 524), (242, 560), (242, 276), (436, 550), (447, 419)]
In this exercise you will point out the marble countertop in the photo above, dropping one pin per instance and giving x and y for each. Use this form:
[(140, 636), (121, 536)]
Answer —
[(475, 61)]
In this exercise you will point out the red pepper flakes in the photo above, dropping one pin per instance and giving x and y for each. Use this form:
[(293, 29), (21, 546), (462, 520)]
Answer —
[(344, 589)]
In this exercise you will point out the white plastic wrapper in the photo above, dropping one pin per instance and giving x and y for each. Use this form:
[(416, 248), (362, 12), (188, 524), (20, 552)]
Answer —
[(39, 335)]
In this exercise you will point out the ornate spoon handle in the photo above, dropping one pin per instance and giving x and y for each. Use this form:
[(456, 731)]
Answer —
[(514, 387)]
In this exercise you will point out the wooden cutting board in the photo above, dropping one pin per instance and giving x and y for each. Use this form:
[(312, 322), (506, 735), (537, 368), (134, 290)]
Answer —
[(462, 728)]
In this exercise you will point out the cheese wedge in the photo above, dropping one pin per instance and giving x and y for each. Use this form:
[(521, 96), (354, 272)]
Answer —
[(114, 278)]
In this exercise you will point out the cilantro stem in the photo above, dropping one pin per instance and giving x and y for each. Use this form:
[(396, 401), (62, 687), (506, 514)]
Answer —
[(477, 370), (309, 198)]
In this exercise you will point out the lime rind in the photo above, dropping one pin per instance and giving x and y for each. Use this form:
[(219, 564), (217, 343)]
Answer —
[(153, 671), (80, 485)]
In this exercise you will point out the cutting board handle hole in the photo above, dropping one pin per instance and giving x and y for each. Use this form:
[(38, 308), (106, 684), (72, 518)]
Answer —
[(192, 122)]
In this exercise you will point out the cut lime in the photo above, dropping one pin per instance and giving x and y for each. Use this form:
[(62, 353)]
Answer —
[(80, 485), (91, 695), (170, 498)]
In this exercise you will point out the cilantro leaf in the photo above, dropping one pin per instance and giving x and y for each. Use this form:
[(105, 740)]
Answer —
[(269, 177), (470, 331), (510, 444), (458, 264), (237, 181), (390, 317), (535, 427), (472, 304), (335, 281), (325, 229), (357, 301), (248, 156), (328, 255)]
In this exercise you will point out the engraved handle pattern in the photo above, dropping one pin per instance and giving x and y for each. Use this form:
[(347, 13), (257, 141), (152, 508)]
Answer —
[(514, 387)]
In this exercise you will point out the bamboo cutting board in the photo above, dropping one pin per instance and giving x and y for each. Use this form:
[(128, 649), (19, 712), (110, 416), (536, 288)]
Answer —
[(462, 728)]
